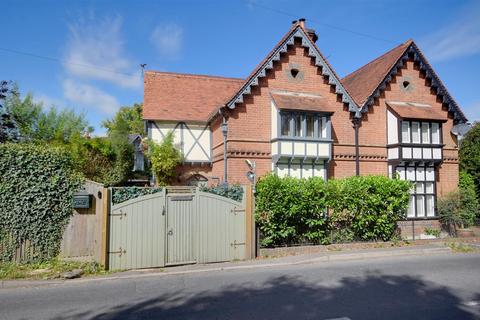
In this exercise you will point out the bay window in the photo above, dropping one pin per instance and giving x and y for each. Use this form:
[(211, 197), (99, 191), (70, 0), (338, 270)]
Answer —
[(304, 125), (422, 195), (417, 132)]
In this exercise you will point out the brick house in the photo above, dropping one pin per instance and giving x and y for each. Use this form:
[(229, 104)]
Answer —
[(294, 116)]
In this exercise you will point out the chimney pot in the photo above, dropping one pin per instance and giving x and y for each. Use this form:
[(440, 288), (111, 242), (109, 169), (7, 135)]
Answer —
[(294, 22), (302, 22)]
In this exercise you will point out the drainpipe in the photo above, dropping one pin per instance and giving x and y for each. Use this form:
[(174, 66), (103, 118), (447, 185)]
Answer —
[(356, 125), (225, 133)]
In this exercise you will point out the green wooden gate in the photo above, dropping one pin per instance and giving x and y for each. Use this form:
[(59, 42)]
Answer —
[(175, 227)]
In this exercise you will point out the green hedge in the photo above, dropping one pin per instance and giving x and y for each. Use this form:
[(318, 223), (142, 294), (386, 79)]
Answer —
[(234, 192), (122, 194), (37, 183), (369, 205), (291, 211)]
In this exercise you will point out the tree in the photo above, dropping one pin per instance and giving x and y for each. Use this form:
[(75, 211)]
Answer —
[(37, 124), (127, 119), (164, 158), (470, 155), (8, 127)]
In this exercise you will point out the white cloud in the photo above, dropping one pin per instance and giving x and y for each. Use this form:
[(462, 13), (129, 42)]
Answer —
[(167, 39), (48, 101), (90, 97), (95, 50), (459, 39)]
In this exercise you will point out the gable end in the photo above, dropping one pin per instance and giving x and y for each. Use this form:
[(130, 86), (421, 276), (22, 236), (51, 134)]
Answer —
[(435, 83), (313, 52)]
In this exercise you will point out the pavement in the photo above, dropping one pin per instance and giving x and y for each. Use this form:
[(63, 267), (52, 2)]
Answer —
[(398, 283), (318, 257)]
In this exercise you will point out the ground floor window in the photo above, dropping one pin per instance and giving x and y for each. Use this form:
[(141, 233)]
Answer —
[(300, 169), (423, 195), (197, 180)]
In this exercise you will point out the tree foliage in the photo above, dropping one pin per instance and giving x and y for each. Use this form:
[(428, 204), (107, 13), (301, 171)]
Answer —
[(8, 127), (127, 119), (470, 155), (37, 123), (164, 158)]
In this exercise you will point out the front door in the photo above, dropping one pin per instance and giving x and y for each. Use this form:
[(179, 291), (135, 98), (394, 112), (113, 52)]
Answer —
[(179, 229)]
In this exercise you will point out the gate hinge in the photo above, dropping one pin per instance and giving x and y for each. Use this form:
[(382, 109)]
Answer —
[(119, 252), (235, 243), (235, 210), (121, 214)]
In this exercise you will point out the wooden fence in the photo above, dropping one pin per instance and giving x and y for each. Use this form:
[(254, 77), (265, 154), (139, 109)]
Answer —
[(83, 238)]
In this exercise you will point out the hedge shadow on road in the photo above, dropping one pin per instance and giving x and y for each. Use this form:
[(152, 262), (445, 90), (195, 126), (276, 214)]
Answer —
[(374, 296)]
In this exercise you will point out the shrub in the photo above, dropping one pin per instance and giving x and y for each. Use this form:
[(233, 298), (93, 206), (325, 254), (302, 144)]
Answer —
[(370, 205), (234, 192), (290, 210), (122, 194), (470, 207), (164, 158), (36, 189), (469, 154), (459, 208)]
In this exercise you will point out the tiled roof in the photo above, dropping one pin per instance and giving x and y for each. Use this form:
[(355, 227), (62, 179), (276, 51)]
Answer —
[(362, 83), (406, 110), (185, 97), (298, 101)]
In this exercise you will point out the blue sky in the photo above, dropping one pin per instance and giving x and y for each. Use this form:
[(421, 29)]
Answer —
[(91, 50)]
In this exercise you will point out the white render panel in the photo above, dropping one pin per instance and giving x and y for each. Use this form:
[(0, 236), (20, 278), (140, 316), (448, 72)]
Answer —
[(411, 173), (307, 171), (311, 149), (299, 148), (319, 171), (417, 153), (420, 174), (437, 153), (393, 153), (187, 138), (407, 153), (274, 115), (295, 170), (323, 150), (430, 174), (427, 153), (286, 147), (275, 148), (392, 128), (282, 169), (401, 172)]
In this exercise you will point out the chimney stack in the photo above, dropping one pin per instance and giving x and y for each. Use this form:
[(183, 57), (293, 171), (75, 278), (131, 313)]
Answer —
[(310, 32), (302, 22)]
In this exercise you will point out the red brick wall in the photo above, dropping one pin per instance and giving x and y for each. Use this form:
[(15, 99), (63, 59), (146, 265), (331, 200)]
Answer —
[(374, 129), (249, 125)]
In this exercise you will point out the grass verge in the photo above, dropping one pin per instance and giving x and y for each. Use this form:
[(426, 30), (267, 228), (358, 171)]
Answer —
[(49, 269)]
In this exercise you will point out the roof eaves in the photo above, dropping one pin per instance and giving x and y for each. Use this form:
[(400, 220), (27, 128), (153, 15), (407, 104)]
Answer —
[(260, 71), (411, 48)]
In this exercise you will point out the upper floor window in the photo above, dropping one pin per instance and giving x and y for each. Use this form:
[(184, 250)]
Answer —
[(417, 132), (303, 125)]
